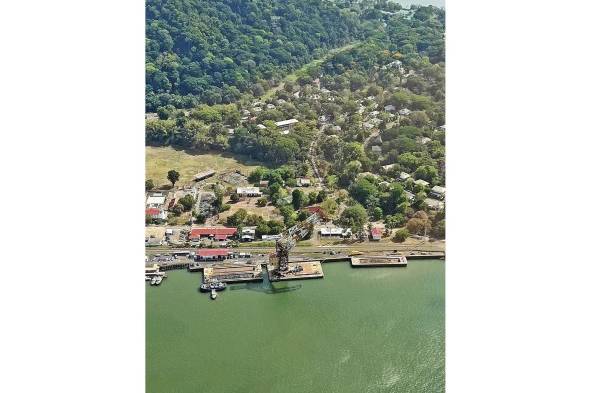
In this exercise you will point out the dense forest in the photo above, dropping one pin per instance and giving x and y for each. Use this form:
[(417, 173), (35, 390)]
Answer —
[(211, 50)]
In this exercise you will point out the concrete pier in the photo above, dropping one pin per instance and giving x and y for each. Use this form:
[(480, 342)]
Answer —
[(230, 272), (377, 261), (298, 271)]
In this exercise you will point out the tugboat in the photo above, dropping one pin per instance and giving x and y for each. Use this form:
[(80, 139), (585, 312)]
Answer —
[(212, 285), (194, 267), (214, 294)]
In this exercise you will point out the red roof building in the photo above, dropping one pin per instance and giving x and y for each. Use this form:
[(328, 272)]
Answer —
[(213, 253), (318, 210), (376, 233), (218, 233), (152, 211)]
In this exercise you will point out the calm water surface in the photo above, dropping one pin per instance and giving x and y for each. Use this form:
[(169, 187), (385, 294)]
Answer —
[(356, 330)]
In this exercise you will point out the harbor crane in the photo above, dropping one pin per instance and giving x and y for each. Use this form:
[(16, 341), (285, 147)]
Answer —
[(288, 240)]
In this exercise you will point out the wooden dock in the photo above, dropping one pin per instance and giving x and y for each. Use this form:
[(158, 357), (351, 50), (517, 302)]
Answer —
[(231, 273)]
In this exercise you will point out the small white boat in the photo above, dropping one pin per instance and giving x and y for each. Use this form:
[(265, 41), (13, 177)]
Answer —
[(214, 294)]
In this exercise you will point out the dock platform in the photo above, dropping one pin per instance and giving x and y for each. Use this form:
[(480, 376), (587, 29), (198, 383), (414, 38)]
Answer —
[(231, 272), (309, 269), (377, 261)]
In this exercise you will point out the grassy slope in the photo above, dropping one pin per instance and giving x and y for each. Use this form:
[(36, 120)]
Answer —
[(159, 160)]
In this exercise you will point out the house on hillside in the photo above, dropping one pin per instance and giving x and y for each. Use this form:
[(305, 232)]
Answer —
[(437, 192), (248, 192), (403, 176), (303, 182), (404, 112), (434, 204), (286, 124), (376, 149), (409, 196), (155, 199), (328, 232), (264, 183), (422, 182), (247, 234), (375, 234), (390, 108), (156, 213)]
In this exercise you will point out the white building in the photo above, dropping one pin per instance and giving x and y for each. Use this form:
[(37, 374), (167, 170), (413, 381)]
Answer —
[(421, 182), (248, 192), (271, 237), (404, 112), (248, 234), (334, 232), (434, 204), (286, 123), (438, 192), (403, 176), (155, 200), (303, 182)]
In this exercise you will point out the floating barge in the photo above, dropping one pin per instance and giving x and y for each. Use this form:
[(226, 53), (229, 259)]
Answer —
[(298, 271), (230, 273), (379, 261)]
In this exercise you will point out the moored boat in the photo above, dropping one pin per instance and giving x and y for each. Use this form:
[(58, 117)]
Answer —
[(213, 294)]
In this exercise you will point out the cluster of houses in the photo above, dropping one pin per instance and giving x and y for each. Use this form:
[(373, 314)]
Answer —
[(436, 198)]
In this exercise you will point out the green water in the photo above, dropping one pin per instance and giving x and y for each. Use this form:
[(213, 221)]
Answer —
[(356, 330)]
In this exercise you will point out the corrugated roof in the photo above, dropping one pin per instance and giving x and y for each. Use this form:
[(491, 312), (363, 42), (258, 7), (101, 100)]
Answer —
[(213, 252)]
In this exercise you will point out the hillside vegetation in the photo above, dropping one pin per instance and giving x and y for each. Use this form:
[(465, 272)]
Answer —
[(211, 50)]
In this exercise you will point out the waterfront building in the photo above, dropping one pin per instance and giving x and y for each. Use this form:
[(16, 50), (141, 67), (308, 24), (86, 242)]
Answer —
[(213, 254)]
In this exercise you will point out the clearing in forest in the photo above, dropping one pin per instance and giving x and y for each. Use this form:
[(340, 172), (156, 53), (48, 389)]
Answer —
[(159, 160)]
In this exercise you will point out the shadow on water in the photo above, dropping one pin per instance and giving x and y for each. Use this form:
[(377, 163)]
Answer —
[(265, 287)]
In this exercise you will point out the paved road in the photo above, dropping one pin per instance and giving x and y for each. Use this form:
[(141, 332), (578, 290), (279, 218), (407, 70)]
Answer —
[(363, 247)]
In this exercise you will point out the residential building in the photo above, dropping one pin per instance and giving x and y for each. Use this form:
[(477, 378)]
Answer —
[(404, 112), (375, 233), (155, 199), (247, 234), (421, 182), (376, 149), (390, 108), (271, 237), (403, 176), (409, 196), (334, 232), (248, 192), (156, 213), (303, 182), (264, 183), (438, 192), (286, 123), (434, 204)]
